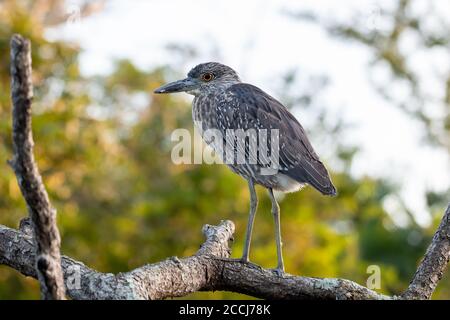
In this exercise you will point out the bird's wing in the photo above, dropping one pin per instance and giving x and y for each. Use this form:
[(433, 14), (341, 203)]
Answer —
[(244, 106)]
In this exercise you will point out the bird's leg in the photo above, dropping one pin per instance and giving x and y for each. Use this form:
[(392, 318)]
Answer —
[(276, 217), (251, 219)]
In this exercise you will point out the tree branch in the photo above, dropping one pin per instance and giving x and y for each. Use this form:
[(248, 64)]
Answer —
[(209, 269), (42, 214), (434, 263)]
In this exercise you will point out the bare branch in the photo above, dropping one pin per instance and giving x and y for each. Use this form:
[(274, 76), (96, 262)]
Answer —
[(209, 269), (42, 214), (434, 263)]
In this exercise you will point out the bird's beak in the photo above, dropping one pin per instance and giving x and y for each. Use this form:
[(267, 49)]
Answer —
[(178, 86)]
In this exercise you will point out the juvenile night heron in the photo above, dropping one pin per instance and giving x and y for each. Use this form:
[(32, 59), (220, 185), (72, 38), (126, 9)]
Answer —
[(223, 104)]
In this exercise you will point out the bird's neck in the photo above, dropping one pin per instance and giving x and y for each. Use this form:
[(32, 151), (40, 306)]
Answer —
[(214, 88)]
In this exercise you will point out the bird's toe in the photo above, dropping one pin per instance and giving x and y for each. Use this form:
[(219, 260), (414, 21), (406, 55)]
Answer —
[(279, 271)]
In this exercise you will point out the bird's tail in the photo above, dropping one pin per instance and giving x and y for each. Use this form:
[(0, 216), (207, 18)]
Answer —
[(327, 189), (315, 174)]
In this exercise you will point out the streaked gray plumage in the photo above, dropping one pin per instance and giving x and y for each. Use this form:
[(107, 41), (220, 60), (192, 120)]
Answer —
[(222, 102)]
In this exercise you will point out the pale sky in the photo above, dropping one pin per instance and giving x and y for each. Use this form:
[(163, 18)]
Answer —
[(261, 43)]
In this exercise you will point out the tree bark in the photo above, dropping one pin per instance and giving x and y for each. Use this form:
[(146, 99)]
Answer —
[(434, 263), (41, 212), (211, 269)]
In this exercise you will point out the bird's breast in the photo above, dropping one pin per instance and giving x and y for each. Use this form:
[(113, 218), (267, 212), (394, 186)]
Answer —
[(203, 113)]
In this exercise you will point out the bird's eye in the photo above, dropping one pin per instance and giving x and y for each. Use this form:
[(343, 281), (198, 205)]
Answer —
[(207, 76)]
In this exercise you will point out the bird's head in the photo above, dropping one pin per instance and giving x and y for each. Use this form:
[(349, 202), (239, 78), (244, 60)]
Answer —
[(202, 78)]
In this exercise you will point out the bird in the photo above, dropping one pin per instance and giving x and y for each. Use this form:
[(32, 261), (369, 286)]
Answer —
[(223, 103)]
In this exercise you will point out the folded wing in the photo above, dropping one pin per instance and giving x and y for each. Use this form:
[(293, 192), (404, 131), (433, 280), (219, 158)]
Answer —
[(245, 106)]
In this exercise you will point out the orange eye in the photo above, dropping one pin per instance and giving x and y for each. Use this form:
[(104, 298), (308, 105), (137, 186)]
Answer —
[(207, 77)]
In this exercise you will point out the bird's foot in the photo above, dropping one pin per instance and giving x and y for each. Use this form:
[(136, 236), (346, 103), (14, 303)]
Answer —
[(230, 259), (279, 271), (241, 260), (246, 261)]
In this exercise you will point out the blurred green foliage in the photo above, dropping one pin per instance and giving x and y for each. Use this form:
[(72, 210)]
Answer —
[(385, 32), (103, 147)]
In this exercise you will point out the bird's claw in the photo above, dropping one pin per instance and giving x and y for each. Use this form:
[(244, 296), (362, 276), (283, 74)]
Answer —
[(243, 261), (279, 271), (249, 263)]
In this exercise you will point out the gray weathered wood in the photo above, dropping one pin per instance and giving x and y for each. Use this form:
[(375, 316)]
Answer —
[(209, 269), (434, 263), (42, 214)]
